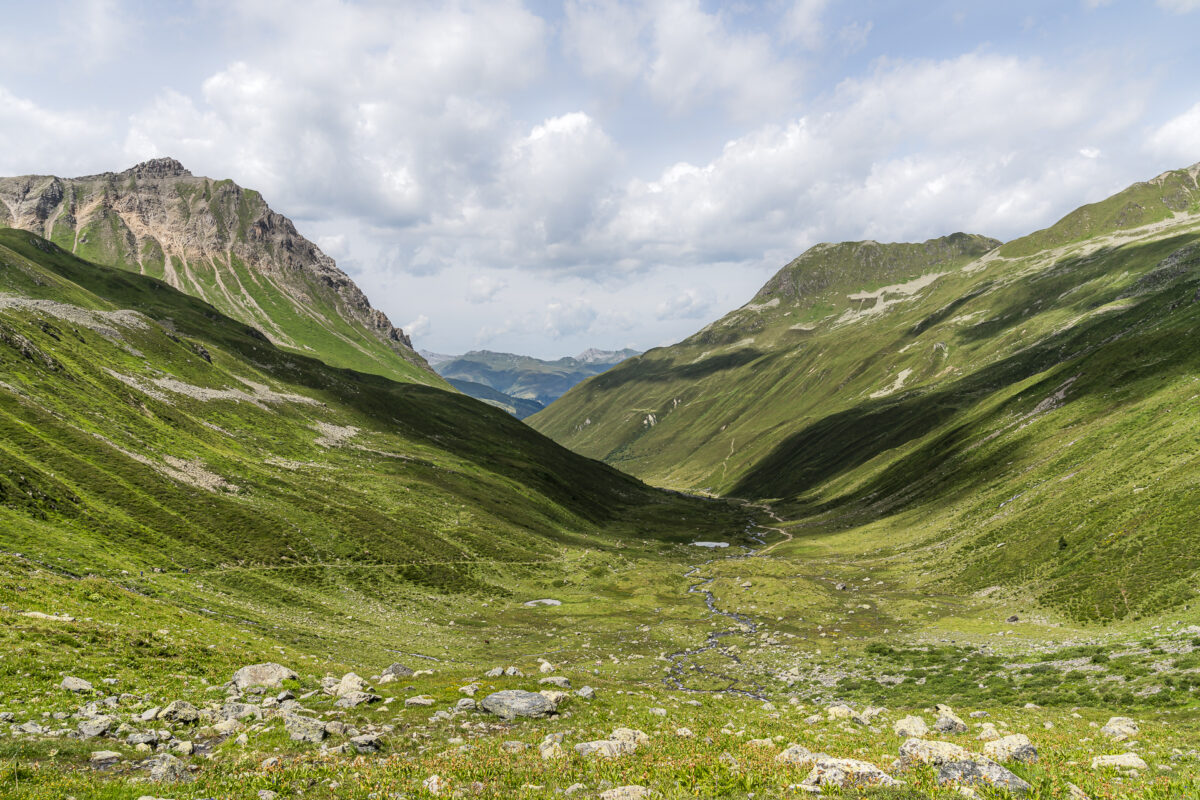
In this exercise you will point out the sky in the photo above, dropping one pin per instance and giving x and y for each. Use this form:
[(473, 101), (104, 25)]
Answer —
[(543, 177)]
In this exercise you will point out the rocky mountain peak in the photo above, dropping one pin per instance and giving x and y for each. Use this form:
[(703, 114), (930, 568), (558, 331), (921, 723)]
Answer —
[(166, 167)]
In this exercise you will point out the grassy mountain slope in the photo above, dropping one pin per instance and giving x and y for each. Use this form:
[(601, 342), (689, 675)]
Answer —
[(174, 438), (518, 407), (222, 243), (527, 378), (1022, 416)]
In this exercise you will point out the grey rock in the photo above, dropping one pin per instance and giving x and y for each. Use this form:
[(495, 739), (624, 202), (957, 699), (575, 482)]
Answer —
[(1120, 761), (512, 703), (367, 743), (981, 772), (104, 757), (399, 671), (179, 711), (270, 674), (555, 680), (514, 747), (546, 601), (466, 704), (948, 722), (1120, 728), (73, 684), (848, 773), (606, 748), (1016, 747), (911, 726), (587, 693), (354, 699), (304, 729), (169, 769), (631, 792), (91, 728)]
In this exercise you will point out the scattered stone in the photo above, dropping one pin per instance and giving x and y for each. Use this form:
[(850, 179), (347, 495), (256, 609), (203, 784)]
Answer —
[(1075, 793), (270, 675), (799, 755), (1016, 747), (924, 751), (658, 712), (304, 729), (555, 696), (840, 711), (169, 769), (367, 743), (555, 680), (684, 733), (605, 748), (179, 711), (848, 773), (1121, 761), (183, 748), (433, 784), (550, 749), (948, 722), (349, 684), (632, 792), (355, 699), (73, 684), (466, 704), (587, 693), (103, 758), (1120, 728), (545, 666), (98, 726), (546, 601), (512, 703), (982, 772), (514, 747), (513, 672), (988, 733), (495, 672), (574, 788), (419, 700), (398, 671), (911, 726), (267, 794)]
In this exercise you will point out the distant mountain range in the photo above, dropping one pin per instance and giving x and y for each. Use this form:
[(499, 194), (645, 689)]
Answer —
[(521, 385)]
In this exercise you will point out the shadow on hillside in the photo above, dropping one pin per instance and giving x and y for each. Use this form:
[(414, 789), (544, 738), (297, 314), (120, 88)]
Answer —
[(844, 441), (659, 371)]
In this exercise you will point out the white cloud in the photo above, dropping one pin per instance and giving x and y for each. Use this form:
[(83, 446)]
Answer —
[(483, 288), (568, 318), (74, 142), (802, 22), (1179, 138), (606, 38), (418, 327), (1179, 6), (688, 304)]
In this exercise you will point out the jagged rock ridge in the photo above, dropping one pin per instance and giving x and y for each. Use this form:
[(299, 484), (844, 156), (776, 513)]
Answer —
[(222, 243)]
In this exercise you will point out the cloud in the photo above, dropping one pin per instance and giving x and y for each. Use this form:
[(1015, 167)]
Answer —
[(684, 57), (33, 135), (418, 327), (688, 304), (1179, 6), (1179, 138), (483, 288), (802, 23), (568, 318)]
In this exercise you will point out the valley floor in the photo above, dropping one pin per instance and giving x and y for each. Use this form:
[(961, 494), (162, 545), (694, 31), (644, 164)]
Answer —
[(724, 658)]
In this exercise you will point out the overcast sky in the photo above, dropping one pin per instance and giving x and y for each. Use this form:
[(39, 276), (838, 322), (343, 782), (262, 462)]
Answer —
[(545, 177)]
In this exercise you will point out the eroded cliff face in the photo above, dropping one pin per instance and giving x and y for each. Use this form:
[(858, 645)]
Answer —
[(220, 242)]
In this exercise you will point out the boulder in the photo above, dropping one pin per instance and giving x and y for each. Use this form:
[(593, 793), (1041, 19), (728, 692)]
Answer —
[(419, 700), (587, 693), (97, 726), (981, 772), (988, 733), (1120, 728), (512, 703), (304, 729), (911, 726), (1121, 761), (102, 758), (270, 675), (847, 773), (555, 680), (949, 722), (630, 735), (924, 751), (550, 750), (1012, 748), (398, 671), (73, 684), (605, 748), (367, 743), (354, 699), (179, 711), (169, 769), (349, 684), (799, 755), (632, 792)]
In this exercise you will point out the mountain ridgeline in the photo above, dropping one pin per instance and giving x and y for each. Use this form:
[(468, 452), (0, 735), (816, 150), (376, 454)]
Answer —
[(521, 385), (1024, 411), (216, 241)]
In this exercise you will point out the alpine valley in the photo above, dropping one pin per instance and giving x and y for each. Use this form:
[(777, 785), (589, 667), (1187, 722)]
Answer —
[(917, 521)]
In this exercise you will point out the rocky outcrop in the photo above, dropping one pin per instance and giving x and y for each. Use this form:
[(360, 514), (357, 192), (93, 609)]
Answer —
[(211, 239)]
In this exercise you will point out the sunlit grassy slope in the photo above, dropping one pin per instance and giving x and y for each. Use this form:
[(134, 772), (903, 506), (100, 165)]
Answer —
[(1028, 412), (176, 438)]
